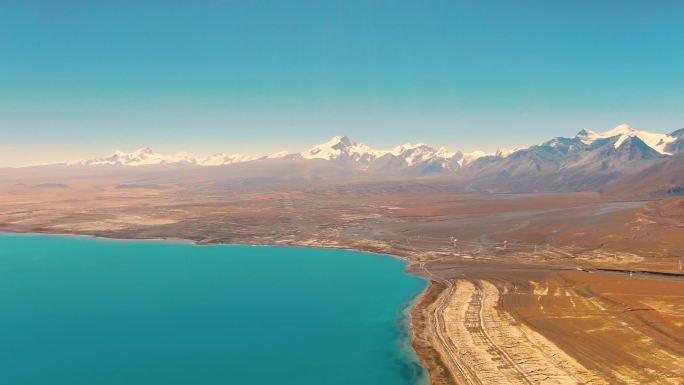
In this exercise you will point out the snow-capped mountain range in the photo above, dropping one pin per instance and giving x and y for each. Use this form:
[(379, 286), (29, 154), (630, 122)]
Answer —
[(146, 157), (587, 150), (659, 142), (337, 148)]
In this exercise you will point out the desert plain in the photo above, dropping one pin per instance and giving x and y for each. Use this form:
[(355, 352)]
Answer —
[(534, 288)]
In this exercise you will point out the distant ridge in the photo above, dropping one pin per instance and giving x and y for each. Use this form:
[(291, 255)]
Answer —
[(344, 148), (587, 161)]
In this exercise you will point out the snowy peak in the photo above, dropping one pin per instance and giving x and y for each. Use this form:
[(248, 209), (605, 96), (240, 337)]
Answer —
[(339, 147), (146, 157), (415, 153), (623, 142), (403, 148), (221, 159), (140, 157), (658, 142), (470, 157), (587, 136), (278, 155), (622, 129), (631, 148), (414, 156)]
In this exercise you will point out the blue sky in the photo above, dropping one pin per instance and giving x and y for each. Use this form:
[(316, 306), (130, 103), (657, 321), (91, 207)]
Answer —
[(83, 78)]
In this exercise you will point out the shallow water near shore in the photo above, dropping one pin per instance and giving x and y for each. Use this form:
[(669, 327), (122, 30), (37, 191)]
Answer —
[(93, 311)]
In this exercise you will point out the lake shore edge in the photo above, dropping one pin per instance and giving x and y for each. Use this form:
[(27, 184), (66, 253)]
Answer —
[(412, 312)]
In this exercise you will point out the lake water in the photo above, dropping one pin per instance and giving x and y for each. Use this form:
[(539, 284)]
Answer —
[(84, 311)]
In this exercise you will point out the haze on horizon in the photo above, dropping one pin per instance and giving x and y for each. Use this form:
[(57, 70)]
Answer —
[(80, 79)]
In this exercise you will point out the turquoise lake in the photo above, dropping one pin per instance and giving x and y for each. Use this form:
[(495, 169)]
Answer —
[(86, 311)]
